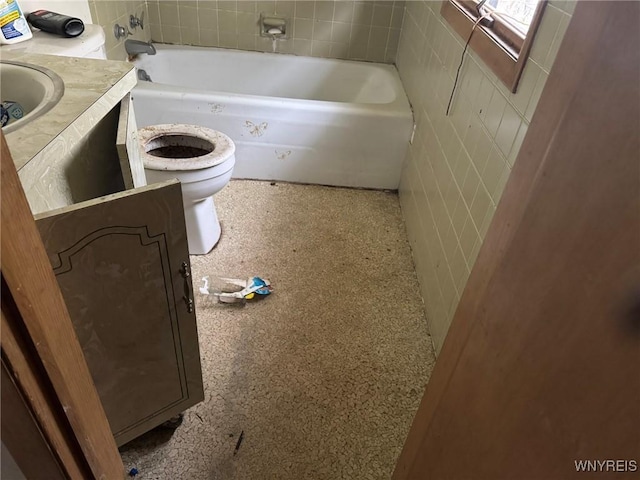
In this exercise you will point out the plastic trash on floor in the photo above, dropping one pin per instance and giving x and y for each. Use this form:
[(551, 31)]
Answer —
[(233, 290)]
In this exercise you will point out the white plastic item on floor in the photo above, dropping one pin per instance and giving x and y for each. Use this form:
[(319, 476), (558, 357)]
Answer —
[(233, 290), (203, 160)]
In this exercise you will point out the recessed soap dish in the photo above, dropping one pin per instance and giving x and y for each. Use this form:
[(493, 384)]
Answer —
[(273, 26)]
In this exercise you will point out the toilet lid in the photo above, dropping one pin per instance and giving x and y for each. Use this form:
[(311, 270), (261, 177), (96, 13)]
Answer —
[(179, 135)]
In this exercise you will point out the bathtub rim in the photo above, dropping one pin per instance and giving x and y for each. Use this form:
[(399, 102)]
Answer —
[(400, 103)]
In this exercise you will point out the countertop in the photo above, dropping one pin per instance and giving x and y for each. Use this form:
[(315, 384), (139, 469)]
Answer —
[(92, 88)]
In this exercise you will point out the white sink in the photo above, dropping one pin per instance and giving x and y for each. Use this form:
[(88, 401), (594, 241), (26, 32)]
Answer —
[(35, 88)]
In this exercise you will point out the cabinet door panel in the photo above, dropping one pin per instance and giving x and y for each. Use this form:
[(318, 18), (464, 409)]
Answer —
[(120, 263), (127, 144)]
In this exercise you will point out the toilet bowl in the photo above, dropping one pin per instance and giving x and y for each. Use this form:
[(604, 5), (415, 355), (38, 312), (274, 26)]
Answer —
[(202, 159)]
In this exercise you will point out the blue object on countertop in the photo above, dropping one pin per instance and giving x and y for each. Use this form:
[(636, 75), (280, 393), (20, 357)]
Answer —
[(10, 111), (4, 116), (133, 472)]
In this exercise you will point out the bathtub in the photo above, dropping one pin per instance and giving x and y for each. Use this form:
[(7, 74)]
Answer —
[(295, 119)]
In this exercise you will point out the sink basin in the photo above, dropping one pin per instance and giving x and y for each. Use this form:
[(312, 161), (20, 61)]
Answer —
[(35, 88)]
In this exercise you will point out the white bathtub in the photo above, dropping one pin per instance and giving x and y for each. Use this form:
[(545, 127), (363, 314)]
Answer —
[(296, 119)]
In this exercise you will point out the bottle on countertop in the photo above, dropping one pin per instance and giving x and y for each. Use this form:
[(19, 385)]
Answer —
[(56, 23), (13, 25)]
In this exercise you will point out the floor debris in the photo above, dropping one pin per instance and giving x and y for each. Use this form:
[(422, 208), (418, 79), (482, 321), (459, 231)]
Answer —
[(239, 442), (233, 290)]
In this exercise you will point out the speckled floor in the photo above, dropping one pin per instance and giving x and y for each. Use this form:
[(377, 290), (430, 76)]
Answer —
[(324, 375)]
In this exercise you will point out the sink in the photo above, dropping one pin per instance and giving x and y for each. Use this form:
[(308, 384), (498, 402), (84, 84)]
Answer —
[(35, 88)]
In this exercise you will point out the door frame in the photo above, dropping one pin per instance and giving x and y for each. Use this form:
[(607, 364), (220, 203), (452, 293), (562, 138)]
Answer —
[(40, 347)]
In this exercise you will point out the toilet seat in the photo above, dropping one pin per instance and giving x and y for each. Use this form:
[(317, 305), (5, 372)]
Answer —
[(177, 134), (202, 160)]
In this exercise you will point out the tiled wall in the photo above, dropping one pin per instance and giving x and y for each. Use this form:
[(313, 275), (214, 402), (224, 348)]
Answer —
[(109, 12), (359, 30), (457, 167)]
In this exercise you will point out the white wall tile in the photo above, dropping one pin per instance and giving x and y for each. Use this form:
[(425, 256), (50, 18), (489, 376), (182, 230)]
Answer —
[(535, 96), (461, 167), (480, 206), (494, 112), (499, 188), (557, 40), (517, 143), (459, 217), (461, 162), (470, 185), (481, 150), (459, 271), (493, 172), (468, 239), (545, 35), (520, 99), (236, 23), (487, 220), (508, 129)]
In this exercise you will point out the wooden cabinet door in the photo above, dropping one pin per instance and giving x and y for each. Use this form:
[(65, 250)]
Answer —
[(122, 264)]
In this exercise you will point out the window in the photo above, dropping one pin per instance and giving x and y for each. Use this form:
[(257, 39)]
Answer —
[(517, 13), (500, 31)]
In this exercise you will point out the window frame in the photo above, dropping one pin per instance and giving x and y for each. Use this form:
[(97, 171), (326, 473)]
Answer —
[(501, 47)]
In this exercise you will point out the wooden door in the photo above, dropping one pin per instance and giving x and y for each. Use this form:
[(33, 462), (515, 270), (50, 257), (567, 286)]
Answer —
[(541, 366), (122, 264)]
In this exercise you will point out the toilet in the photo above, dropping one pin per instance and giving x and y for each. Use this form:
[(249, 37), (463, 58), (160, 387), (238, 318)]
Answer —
[(203, 160)]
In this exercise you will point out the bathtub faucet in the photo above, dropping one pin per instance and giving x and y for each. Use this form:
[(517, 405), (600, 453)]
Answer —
[(136, 47)]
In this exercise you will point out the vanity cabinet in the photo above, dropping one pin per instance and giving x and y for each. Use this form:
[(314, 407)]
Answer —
[(118, 247), (122, 264)]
